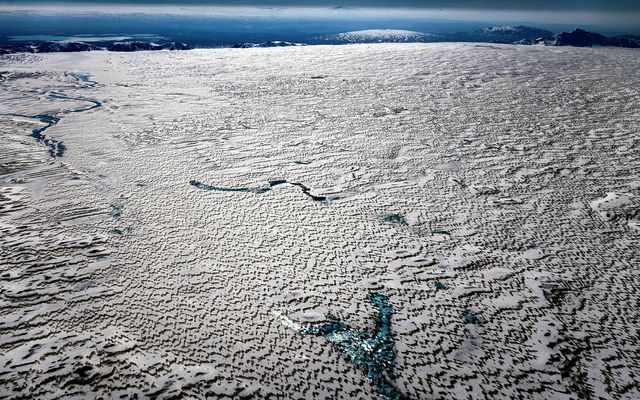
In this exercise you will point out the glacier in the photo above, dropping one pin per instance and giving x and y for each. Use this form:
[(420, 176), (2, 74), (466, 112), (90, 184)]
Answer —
[(482, 198)]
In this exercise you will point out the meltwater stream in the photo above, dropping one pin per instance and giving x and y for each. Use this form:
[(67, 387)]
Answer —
[(305, 190), (57, 147)]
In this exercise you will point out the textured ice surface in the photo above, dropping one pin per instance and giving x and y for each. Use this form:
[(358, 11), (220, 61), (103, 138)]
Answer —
[(489, 193)]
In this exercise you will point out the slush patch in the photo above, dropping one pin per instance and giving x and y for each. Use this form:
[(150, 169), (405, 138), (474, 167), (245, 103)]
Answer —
[(472, 318), (83, 77), (394, 219), (116, 210), (371, 350), (440, 286)]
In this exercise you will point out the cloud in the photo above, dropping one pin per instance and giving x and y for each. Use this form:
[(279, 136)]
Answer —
[(579, 5)]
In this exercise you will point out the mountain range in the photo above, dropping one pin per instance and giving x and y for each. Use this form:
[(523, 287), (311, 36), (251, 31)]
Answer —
[(71, 47), (507, 34)]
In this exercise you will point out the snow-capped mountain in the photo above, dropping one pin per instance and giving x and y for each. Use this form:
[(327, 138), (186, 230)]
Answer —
[(494, 34), (68, 47), (519, 31), (53, 47), (506, 34), (269, 43), (140, 46), (379, 35), (510, 33)]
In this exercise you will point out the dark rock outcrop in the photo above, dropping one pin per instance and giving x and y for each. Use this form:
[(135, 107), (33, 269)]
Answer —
[(579, 38), (582, 38), (626, 41)]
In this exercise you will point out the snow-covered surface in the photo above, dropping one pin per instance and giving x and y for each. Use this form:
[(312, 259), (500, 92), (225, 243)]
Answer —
[(507, 175)]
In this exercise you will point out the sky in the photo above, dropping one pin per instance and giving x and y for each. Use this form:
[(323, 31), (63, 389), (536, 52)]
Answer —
[(541, 5)]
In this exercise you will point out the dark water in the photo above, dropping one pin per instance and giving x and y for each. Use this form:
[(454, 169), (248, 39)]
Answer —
[(204, 186)]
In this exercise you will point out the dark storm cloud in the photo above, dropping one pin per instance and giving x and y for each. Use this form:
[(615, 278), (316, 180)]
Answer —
[(541, 5)]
